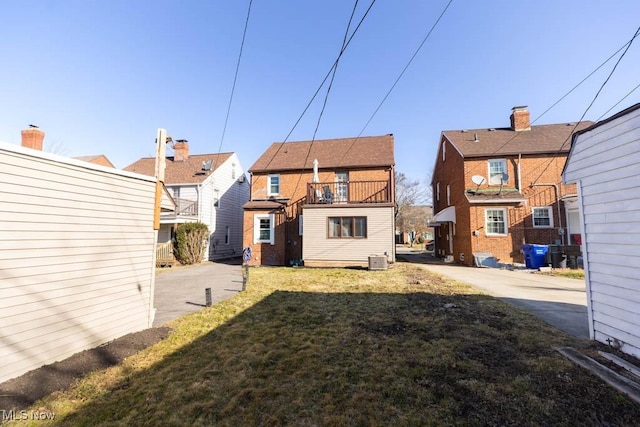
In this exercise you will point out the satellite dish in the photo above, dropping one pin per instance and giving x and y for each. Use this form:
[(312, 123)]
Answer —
[(478, 179), (206, 166), (505, 178)]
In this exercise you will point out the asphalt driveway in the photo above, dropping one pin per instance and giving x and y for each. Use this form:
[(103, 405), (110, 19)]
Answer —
[(559, 301), (181, 291)]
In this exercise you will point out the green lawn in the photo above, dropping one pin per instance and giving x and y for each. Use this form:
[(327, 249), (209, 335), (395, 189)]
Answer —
[(311, 347)]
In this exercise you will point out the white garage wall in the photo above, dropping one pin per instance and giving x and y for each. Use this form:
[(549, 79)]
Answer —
[(76, 257)]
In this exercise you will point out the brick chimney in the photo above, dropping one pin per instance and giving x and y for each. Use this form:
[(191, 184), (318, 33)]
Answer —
[(181, 150), (33, 138), (520, 118)]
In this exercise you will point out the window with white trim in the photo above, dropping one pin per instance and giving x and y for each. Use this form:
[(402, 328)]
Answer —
[(496, 222), (273, 185), (227, 236), (497, 168), (216, 198), (444, 151), (542, 217), (448, 195), (263, 229), (347, 227)]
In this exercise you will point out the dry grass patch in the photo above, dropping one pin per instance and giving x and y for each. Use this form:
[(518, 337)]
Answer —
[(349, 347)]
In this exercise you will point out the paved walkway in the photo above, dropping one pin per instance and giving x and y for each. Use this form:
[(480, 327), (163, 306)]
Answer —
[(559, 301), (182, 291)]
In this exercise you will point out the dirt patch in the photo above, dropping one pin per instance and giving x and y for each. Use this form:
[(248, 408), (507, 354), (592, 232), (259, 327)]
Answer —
[(20, 393)]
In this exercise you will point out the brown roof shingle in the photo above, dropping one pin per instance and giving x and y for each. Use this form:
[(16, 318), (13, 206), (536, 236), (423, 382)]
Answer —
[(366, 151), (185, 172), (540, 139)]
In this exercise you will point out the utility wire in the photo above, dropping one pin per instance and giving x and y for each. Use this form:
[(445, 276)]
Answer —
[(617, 103), (235, 77), (405, 67), (517, 134), (592, 101), (335, 64), (326, 97)]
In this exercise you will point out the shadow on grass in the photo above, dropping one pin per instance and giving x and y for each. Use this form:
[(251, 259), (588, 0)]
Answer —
[(364, 358)]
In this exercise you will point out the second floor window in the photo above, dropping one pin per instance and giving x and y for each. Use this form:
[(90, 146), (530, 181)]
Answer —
[(542, 217), (497, 168), (273, 185)]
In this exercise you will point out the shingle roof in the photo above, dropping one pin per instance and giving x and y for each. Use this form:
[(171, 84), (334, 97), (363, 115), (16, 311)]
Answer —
[(366, 151), (186, 172), (541, 139)]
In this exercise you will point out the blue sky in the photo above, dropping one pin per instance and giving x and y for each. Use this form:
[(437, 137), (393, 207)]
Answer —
[(99, 77)]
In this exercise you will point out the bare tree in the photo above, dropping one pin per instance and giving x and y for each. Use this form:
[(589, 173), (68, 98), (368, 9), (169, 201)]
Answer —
[(409, 194)]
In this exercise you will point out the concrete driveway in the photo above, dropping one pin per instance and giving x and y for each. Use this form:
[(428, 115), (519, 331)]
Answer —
[(561, 302), (181, 291)]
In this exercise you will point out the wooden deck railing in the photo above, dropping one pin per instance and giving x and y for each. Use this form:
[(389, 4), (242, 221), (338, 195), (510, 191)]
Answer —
[(164, 255), (348, 192)]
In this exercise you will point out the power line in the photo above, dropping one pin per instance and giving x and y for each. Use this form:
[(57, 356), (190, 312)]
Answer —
[(592, 101), (335, 64), (235, 77), (616, 104), (517, 134)]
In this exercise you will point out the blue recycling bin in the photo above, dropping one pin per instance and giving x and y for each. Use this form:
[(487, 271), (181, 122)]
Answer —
[(535, 256)]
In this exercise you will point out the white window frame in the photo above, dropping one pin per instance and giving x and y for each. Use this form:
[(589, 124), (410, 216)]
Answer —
[(549, 216), (256, 228), (216, 198), (503, 162), (227, 236), (448, 195), (300, 228), (270, 184), (505, 220), (444, 151)]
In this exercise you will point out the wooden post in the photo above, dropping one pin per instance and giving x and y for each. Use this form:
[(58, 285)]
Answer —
[(161, 164)]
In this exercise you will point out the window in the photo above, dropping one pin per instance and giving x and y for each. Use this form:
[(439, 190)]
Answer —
[(176, 192), (273, 185), (448, 195), (497, 168), (263, 229), (300, 225), (438, 190), (444, 151), (346, 227), (496, 221), (233, 171), (227, 236), (216, 198), (542, 217)]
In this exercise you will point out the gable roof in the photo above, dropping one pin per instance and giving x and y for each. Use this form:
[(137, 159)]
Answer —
[(98, 159), (362, 152), (188, 171), (541, 139)]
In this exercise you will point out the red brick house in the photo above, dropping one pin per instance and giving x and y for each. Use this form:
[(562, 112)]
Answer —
[(496, 189), (339, 217)]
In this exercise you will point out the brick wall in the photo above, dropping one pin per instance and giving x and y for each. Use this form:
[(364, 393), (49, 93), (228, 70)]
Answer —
[(469, 231)]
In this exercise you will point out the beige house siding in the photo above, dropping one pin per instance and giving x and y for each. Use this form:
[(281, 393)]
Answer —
[(76, 257), (319, 250)]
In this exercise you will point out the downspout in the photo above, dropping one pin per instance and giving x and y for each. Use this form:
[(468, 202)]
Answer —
[(519, 175), (555, 188)]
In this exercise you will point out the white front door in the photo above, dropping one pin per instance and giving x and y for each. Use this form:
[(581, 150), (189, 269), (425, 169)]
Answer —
[(342, 187)]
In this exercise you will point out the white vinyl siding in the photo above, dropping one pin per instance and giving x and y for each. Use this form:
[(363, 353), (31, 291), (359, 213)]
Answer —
[(604, 163), (317, 246), (76, 256)]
